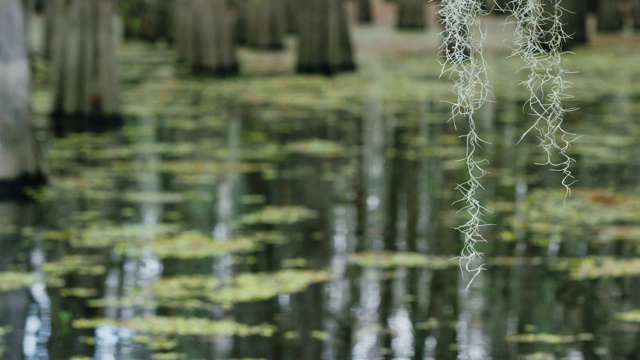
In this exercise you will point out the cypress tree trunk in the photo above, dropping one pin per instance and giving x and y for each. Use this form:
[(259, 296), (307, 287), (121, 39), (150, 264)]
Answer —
[(324, 45), (265, 24), (365, 12), (84, 68), (609, 15), (291, 16), (147, 20), (182, 28), (242, 18), (635, 13), (575, 21), (411, 15), (205, 38), (20, 162)]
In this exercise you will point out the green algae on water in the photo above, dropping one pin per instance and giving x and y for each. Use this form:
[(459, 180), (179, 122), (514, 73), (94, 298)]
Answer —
[(179, 326), (388, 259), (13, 280)]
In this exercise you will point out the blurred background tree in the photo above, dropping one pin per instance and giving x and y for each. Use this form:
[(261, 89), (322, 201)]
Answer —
[(204, 36), (265, 24), (86, 90), (324, 43), (21, 164), (411, 15)]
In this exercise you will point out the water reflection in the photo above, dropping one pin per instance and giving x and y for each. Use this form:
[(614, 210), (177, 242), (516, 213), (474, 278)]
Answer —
[(308, 189)]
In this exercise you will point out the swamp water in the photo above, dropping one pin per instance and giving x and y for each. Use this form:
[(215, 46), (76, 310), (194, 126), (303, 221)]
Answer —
[(290, 217)]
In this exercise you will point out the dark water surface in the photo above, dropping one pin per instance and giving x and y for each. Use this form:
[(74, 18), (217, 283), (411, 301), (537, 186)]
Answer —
[(306, 218)]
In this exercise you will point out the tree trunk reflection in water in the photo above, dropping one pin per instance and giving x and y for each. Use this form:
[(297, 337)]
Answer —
[(15, 304), (374, 161)]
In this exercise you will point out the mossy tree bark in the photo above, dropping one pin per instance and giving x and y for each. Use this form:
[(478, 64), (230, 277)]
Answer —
[(411, 15), (205, 38), (265, 24), (20, 161), (86, 91), (324, 45), (610, 15)]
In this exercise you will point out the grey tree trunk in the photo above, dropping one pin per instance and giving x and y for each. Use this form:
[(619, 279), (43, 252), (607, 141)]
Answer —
[(86, 89), (265, 24), (20, 161), (324, 45), (411, 15), (610, 15), (204, 36)]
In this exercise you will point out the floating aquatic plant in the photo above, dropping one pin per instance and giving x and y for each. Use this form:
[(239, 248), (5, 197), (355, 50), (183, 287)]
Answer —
[(592, 215), (387, 259), (192, 245), (596, 267), (13, 280), (547, 338), (200, 291), (179, 326), (278, 215), (316, 147), (99, 236), (629, 316), (261, 286)]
